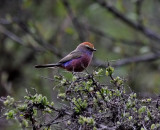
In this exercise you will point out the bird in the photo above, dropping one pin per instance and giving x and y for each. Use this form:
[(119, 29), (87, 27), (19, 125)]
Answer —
[(76, 61)]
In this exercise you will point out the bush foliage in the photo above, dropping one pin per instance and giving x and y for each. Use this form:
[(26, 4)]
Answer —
[(86, 103)]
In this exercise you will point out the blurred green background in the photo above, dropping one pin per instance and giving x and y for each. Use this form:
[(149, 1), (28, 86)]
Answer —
[(43, 31)]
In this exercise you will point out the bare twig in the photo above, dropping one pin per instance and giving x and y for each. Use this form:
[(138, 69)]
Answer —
[(4, 21), (11, 35), (126, 61), (80, 29), (144, 30), (39, 38), (103, 127), (113, 39), (138, 11)]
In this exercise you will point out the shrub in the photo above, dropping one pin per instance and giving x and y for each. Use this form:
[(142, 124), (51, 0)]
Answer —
[(89, 104)]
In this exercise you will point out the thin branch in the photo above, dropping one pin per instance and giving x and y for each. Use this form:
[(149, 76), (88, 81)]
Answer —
[(76, 23), (103, 127), (138, 11), (39, 38), (55, 122), (4, 21), (126, 61), (17, 39), (113, 39), (11, 35), (144, 30)]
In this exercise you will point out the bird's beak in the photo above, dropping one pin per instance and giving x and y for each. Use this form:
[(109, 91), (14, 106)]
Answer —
[(93, 49)]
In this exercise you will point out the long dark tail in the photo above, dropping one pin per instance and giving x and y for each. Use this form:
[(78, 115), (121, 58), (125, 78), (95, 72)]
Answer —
[(47, 65)]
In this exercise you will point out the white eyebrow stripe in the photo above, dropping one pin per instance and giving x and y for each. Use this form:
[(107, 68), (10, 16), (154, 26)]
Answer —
[(87, 46)]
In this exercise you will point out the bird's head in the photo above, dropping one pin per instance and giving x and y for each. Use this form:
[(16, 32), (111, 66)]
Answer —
[(86, 46)]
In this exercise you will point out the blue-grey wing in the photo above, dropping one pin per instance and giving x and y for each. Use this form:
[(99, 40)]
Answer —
[(73, 55)]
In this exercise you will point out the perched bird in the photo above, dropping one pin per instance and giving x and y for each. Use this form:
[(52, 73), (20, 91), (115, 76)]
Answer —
[(77, 60)]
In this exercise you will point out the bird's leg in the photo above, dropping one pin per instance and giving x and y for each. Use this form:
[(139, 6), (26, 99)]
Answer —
[(84, 69), (73, 71)]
